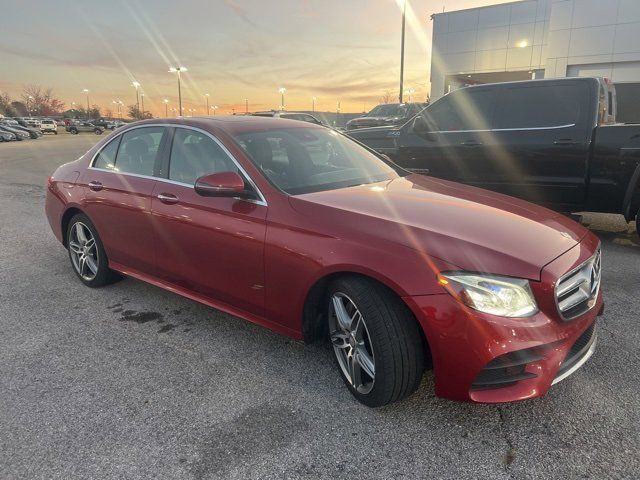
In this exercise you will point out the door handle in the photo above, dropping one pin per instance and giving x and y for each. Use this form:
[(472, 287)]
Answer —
[(565, 141), (471, 143), (95, 186), (167, 198)]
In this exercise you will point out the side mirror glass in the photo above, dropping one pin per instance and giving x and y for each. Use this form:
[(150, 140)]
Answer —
[(222, 184), (421, 126)]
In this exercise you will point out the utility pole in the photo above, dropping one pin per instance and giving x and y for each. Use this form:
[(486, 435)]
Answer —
[(404, 11)]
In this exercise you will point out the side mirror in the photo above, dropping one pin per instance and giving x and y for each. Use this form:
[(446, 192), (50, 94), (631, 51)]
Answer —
[(223, 184), (421, 126)]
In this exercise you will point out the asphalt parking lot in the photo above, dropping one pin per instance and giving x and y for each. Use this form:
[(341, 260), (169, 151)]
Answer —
[(130, 381)]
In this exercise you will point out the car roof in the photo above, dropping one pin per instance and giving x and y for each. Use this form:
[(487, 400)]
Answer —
[(231, 124)]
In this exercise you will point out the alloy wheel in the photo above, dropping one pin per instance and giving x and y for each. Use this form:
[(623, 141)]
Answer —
[(84, 254), (351, 343)]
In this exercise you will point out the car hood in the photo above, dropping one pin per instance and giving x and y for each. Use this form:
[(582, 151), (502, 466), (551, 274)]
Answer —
[(470, 228)]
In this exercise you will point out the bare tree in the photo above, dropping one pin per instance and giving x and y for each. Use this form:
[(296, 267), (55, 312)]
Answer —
[(6, 108), (41, 101), (386, 97)]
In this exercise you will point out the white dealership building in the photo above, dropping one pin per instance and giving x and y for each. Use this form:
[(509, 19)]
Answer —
[(536, 39)]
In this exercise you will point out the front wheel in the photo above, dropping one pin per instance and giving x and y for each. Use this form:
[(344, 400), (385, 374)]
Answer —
[(73, 131), (376, 341), (87, 254), (98, 131)]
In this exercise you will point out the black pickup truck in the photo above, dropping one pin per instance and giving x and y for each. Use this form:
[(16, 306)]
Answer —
[(553, 142)]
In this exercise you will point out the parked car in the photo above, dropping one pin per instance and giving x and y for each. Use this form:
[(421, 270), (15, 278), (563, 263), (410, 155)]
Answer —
[(552, 142), (32, 132), (31, 122), (386, 114), (6, 136), (78, 127), (300, 229), (20, 134), (113, 124), (48, 125), (304, 117)]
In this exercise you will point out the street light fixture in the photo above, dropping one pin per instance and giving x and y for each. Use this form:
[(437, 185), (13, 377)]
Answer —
[(178, 70), (282, 90), (30, 97), (166, 111)]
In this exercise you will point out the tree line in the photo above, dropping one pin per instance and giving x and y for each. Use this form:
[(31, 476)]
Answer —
[(37, 101)]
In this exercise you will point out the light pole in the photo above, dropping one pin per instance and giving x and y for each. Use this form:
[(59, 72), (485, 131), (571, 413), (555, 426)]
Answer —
[(411, 91), (206, 112), (87, 92), (166, 110), (246, 105), (117, 107), (29, 105), (404, 10), (142, 97), (121, 103), (178, 70), (282, 90), (313, 104), (214, 108), (137, 85)]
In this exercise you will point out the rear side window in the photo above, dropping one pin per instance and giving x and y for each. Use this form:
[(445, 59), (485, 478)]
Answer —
[(540, 106), (138, 150), (107, 157), (194, 154)]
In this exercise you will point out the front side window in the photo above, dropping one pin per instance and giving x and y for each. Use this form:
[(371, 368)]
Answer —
[(389, 110), (303, 160), (106, 159), (138, 150), (194, 154), (466, 109)]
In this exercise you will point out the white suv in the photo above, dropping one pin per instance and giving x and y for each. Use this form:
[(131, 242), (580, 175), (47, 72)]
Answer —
[(48, 125)]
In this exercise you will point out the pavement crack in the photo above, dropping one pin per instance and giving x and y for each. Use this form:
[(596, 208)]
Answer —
[(510, 454)]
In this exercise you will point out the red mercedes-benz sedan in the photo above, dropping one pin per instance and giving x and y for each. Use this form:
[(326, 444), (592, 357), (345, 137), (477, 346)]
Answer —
[(300, 229)]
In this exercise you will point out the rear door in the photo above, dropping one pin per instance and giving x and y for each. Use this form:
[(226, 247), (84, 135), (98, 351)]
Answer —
[(118, 189), (540, 143)]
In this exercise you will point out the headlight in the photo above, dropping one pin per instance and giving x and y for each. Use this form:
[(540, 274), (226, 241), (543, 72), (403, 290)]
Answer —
[(503, 296)]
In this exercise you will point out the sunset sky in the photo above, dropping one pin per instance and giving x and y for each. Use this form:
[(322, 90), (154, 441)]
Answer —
[(335, 50)]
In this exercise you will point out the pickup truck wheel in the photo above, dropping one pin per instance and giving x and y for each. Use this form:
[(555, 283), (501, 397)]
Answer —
[(98, 131), (376, 341), (73, 131)]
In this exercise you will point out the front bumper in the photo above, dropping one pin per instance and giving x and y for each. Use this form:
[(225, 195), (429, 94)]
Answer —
[(484, 358)]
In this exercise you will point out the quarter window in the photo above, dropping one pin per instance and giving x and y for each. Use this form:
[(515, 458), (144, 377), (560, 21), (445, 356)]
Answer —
[(138, 150), (107, 157), (194, 154)]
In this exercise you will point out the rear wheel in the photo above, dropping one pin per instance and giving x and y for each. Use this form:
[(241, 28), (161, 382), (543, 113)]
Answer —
[(73, 131), (98, 131), (87, 254), (376, 341)]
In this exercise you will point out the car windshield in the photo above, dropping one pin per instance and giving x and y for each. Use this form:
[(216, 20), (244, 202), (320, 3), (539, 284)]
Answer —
[(303, 160), (389, 110)]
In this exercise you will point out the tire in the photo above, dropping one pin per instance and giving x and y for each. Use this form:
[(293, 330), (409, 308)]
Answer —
[(97, 131), (389, 343), (73, 131), (638, 222), (94, 273), (55, 133)]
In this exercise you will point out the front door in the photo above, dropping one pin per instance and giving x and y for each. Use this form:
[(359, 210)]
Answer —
[(213, 246)]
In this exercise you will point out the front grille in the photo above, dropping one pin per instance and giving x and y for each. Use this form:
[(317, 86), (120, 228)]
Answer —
[(577, 291), (578, 350)]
